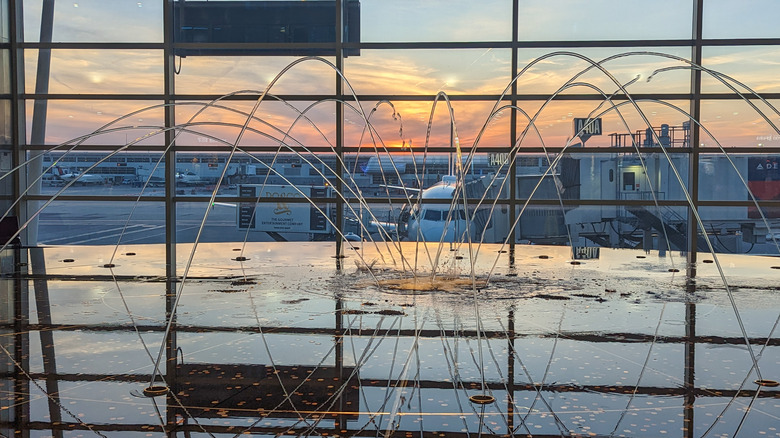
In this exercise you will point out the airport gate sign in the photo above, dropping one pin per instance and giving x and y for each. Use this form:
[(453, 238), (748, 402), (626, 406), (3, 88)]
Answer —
[(585, 128)]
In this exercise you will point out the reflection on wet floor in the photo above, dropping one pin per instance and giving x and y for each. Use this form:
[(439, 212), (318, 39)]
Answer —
[(291, 340)]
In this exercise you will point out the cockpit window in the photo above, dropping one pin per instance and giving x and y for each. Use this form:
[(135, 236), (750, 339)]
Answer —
[(443, 215), (432, 215)]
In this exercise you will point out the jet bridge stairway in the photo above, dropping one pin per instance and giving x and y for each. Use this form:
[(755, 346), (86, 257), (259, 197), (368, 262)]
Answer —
[(677, 238)]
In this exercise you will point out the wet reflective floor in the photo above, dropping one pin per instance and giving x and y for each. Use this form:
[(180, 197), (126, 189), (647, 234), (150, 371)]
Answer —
[(285, 338)]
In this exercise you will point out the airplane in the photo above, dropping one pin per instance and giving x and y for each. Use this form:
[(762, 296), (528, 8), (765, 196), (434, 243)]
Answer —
[(188, 178), (435, 222), (80, 178)]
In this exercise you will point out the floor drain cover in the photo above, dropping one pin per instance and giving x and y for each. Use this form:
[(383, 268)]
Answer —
[(155, 391), (482, 399)]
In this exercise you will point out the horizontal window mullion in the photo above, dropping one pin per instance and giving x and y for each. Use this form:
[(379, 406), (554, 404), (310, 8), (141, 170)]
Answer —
[(412, 45), (94, 198)]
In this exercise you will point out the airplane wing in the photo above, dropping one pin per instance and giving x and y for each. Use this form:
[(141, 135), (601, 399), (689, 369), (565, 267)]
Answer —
[(408, 189)]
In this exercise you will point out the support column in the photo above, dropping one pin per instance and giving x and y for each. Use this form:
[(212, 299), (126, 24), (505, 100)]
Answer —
[(339, 186), (693, 189), (693, 165), (513, 131), (170, 154), (171, 283), (38, 130), (340, 425)]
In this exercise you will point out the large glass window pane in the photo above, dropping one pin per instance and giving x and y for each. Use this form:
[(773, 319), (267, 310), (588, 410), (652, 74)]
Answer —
[(5, 71), (278, 124), (763, 178), (630, 176), (737, 123), (754, 66), (4, 15), (87, 71), (746, 19), (462, 71), (226, 74), (402, 126), (730, 177), (220, 226), (197, 173), (572, 20), (292, 217), (753, 179), (409, 20), (740, 230), (623, 123), (97, 21), (649, 227), (101, 122), (640, 70), (96, 173), (105, 223), (5, 122), (410, 197)]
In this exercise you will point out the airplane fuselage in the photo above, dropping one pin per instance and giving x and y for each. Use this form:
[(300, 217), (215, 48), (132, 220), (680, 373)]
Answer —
[(439, 222), (82, 178)]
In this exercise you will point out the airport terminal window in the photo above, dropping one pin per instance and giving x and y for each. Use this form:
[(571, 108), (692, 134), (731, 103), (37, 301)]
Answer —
[(395, 68)]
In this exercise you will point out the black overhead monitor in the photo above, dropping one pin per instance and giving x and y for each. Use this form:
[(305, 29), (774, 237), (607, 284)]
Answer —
[(278, 23)]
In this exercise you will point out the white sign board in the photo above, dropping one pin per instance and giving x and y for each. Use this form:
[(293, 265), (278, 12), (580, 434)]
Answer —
[(498, 159), (292, 213)]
